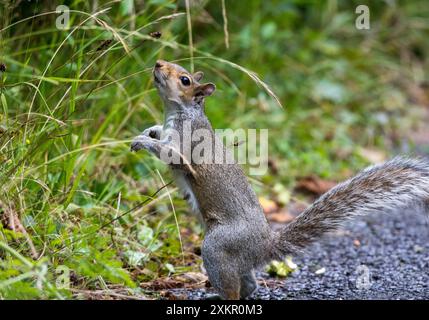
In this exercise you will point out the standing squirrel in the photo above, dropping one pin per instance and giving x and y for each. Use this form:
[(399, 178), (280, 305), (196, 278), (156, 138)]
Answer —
[(238, 238)]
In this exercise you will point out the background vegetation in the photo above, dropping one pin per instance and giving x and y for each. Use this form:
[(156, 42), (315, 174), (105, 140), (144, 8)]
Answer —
[(73, 196)]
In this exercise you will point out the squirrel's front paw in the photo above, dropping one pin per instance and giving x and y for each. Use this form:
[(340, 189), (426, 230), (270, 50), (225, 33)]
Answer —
[(141, 142)]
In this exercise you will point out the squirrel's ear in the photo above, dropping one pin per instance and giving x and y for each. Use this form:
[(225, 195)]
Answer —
[(205, 89), (198, 76)]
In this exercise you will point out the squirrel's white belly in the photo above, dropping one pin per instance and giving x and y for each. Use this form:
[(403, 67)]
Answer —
[(187, 192)]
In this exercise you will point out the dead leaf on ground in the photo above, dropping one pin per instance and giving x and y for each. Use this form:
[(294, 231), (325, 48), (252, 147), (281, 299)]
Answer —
[(275, 213), (315, 185), (10, 220), (281, 216), (419, 94), (171, 295), (189, 280), (107, 294), (269, 206), (192, 278)]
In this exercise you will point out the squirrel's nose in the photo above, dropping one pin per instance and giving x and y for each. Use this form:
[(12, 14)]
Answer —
[(159, 64)]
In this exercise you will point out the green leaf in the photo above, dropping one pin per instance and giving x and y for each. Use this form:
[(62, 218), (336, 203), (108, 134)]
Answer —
[(4, 104), (145, 235), (135, 258), (279, 269), (127, 7)]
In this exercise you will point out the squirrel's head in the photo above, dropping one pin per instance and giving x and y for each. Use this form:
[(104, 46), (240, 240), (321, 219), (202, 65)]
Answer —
[(177, 86)]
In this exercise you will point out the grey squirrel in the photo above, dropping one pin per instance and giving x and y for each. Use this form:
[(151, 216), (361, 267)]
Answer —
[(238, 238)]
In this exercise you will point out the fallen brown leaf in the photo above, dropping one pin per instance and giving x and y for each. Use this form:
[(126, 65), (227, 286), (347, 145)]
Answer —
[(192, 278), (315, 185), (170, 295), (419, 94), (269, 206), (282, 216), (11, 221), (189, 280)]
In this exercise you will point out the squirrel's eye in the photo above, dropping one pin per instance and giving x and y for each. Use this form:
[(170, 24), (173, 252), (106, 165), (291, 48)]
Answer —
[(185, 80)]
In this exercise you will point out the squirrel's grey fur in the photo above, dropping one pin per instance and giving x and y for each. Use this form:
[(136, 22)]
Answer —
[(238, 238)]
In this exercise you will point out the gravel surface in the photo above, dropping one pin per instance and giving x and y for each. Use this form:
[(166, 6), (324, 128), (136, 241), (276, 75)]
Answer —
[(393, 250)]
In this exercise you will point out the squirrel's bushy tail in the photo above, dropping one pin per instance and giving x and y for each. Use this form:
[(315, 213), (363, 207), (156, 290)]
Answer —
[(398, 183)]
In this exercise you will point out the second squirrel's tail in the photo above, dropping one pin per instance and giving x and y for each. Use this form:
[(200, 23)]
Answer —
[(393, 185)]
